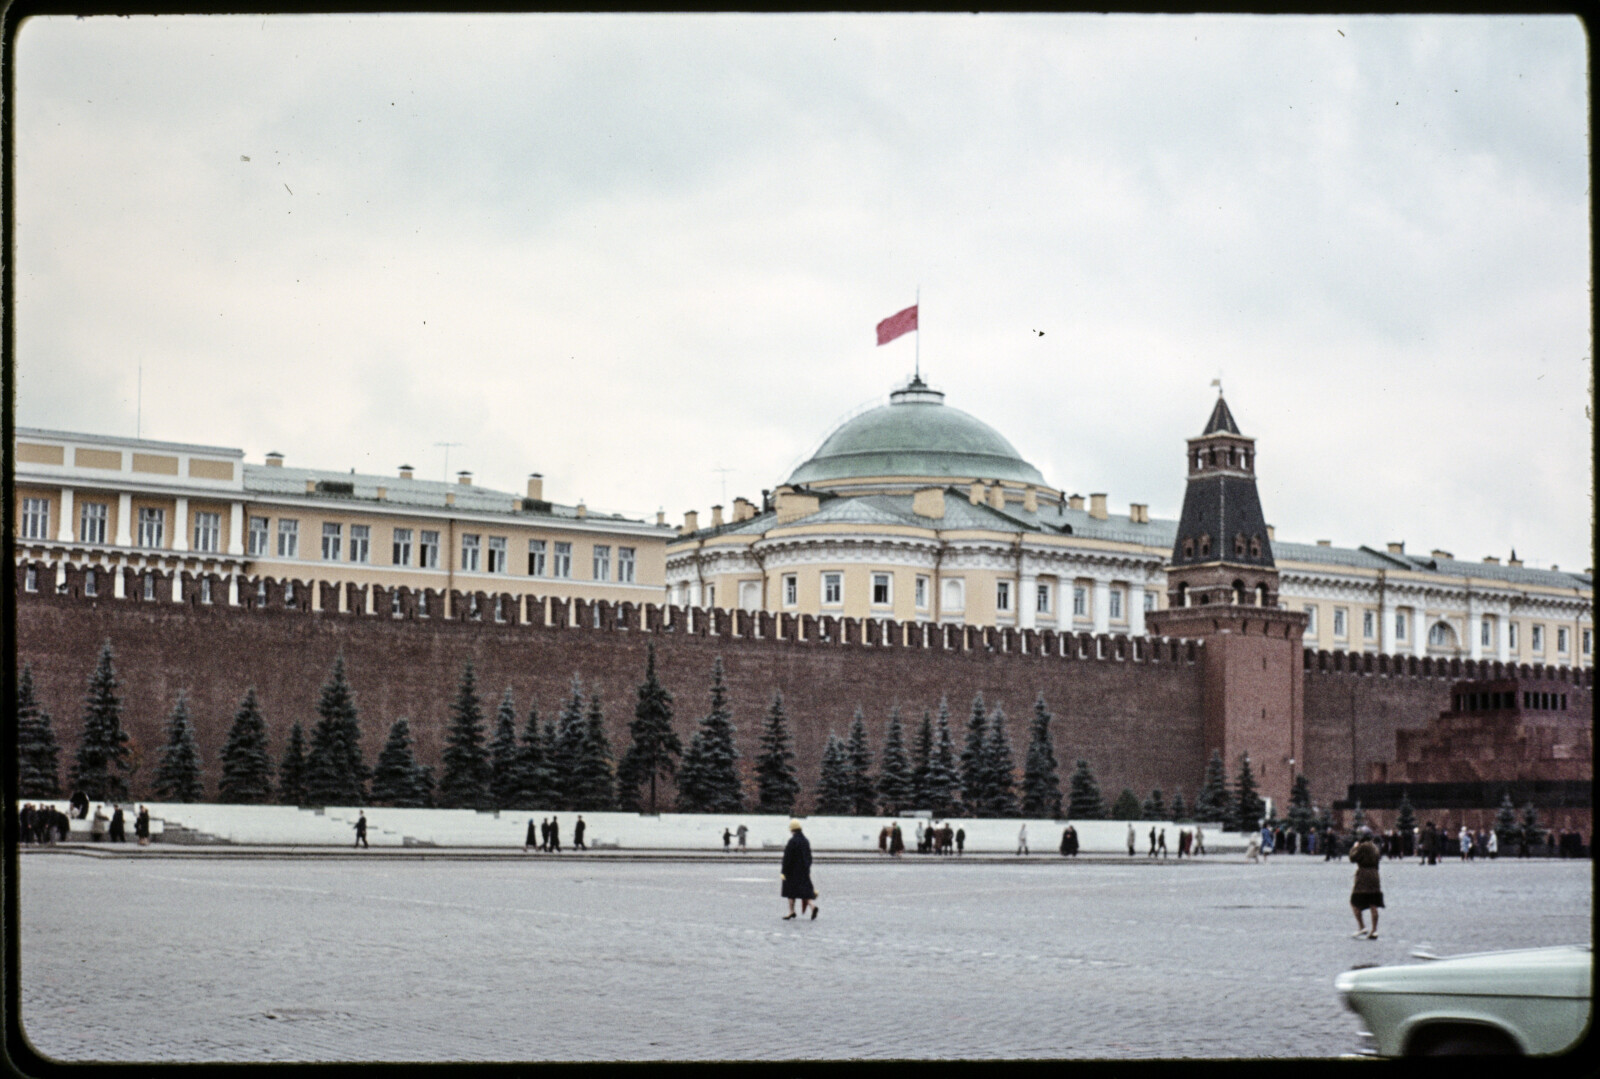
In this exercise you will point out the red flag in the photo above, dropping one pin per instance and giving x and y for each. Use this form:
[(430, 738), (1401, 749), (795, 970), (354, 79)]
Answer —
[(897, 324)]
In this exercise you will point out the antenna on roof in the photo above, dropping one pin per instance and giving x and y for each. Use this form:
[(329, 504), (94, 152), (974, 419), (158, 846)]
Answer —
[(724, 472), (447, 446)]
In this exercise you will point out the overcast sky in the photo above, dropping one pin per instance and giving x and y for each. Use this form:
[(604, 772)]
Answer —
[(630, 252)]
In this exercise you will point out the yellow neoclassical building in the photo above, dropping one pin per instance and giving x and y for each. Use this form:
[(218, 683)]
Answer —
[(105, 505), (917, 511)]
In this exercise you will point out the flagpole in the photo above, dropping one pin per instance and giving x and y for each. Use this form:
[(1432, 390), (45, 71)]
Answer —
[(919, 334)]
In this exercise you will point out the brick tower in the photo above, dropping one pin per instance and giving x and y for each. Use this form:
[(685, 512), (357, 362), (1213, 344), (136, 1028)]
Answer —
[(1222, 587)]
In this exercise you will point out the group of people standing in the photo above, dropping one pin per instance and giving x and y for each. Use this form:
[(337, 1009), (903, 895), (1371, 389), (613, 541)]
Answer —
[(936, 837), (41, 824), (1191, 842), (548, 836)]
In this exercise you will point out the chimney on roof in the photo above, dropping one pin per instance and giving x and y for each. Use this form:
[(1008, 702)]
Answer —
[(1075, 502), (716, 516), (661, 517), (997, 497), (383, 493), (1138, 513), (743, 509), (1030, 499), (1097, 506), (1493, 560), (975, 493), (464, 478), (1324, 543), (583, 511), (1397, 548), (536, 486), (405, 472), (311, 487), (1442, 554), (1272, 533), (691, 521), (1513, 560), (274, 459)]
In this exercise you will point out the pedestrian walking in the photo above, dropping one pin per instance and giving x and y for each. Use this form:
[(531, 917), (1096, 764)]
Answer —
[(1252, 849), (578, 828), (727, 841), (1199, 846), (1464, 840), (530, 840), (897, 840), (119, 825), (1266, 842), (961, 840), (1368, 891), (141, 826), (1133, 839), (1072, 840), (1152, 841), (1022, 839), (544, 835), (796, 873), (883, 840), (555, 835), (1493, 844), (97, 826), (361, 829), (740, 835), (1163, 842)]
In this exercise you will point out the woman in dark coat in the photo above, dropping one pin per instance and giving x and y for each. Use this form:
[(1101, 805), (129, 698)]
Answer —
[(797, 872)]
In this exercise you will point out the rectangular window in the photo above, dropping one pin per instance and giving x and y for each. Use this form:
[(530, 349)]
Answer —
[(149, 586), (602, 562), (288, 593), (561, 563), (536, 558), (1041, 601), (1588, 641), (1149, 600), (205, 590), (922, 593), (36, 518), (92, 523), (91, 583), (258, 537), (402, 547), (469, 552), (396, 605), (791, 590), (261, 592), (880, 589), (360, 543), (1080, 601), (1511, 635), (1485, 633), (30, 579), (1115, 603), (1561, 639), (1369, 624), (497, 554), (955, 595), (625, 564), (1536, 638), (1002, 595), (427, 550), (152, 527), (832, 588), (1311, 618), (332, 539), (1399, 626), (288, 539), (207, 531), (1341, 628)]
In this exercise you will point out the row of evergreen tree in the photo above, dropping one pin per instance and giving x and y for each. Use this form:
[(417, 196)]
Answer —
[(567, 762)]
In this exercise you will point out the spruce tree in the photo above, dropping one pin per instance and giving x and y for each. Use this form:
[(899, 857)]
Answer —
[(1300, 807), (103, 751), (505, 769), (555, 776), (1127, 806), (1041, 782), (427, 786), (178, 773), (921, 759), (465, 783), (1405, 817), (654, 748), (292, 770), (999, 770), (335, 773), (776, 780), (1212, 804), (1248, 808), (246, 765), (1155, 807), (533, 772), (974, 792), (708, 781), (1083, 797), (858, 751), (1180, 810), (1357, 818), (565, 748), (594, 783), (396, 780), (1505, 822), (896, 783), (941, 781), (38, 755), (835, 789)]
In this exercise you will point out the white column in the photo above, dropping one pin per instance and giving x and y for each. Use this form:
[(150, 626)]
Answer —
[(1101, 606), (177, 583), (1136, 609), (119, 587), (1028, 601), (1502, 638), (124, 522), (694, 592), (233, 590), (236, 529), (1474, 628), (1419, 630), (180, 525), (1386, 635), (64, 526)]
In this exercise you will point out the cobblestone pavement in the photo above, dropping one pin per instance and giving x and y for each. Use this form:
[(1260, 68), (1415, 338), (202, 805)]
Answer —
[(572, 959)]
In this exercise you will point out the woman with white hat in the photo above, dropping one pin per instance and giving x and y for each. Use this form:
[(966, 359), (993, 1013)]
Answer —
[(797, 872)]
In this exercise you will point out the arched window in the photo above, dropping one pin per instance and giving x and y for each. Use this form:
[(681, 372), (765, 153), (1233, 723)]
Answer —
[(1238, 544), (1188, 547), (1238, 593), (1255, 546), (1261, 594), (1205, 545), (1183, 595)]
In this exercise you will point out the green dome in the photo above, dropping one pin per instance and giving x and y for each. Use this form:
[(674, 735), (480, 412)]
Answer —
[(916, 434)]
